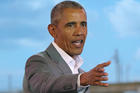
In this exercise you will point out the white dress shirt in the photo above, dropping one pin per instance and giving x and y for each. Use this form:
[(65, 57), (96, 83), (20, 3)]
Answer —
[(73, 63)]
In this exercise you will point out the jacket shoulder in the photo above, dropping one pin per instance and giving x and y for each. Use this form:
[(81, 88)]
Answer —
[(42, 57)]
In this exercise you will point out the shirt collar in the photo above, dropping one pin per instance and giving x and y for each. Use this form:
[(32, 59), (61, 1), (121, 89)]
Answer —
[(68, 59)]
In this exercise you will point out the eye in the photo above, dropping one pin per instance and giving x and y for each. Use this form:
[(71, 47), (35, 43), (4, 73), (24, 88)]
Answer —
[(84, 24), (71, 24)]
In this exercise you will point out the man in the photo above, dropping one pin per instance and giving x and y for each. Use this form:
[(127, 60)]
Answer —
[(57, 69)]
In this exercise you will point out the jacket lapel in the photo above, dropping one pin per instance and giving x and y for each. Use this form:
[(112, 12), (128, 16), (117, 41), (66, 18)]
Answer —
[(56, 57)]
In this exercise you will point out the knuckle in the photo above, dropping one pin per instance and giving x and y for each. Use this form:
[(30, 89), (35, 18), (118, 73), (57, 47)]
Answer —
[(99, 65), (98, 74), (105, 78), (97, 78)]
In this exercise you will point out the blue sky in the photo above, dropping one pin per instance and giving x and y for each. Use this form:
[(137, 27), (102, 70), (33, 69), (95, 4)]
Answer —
[(112, 24)]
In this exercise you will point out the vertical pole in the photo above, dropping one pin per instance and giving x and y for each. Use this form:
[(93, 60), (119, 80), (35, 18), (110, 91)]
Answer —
[(10, 83), (118, 68)]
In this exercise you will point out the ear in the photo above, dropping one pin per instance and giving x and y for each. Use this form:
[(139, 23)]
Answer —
[(51, 29)]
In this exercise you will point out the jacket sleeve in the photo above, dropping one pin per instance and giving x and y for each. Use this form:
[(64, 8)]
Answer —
[(42, 80)]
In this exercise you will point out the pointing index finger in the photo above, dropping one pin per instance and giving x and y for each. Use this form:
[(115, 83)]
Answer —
[(104, 64)]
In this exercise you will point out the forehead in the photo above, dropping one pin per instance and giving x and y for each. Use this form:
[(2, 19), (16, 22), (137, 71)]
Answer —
[(70, 14)]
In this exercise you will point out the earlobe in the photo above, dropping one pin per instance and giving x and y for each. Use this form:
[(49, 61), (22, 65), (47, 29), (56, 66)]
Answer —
[(51, 29)]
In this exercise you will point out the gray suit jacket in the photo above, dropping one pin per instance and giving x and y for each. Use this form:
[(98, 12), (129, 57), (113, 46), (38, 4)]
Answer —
[(47, 72)]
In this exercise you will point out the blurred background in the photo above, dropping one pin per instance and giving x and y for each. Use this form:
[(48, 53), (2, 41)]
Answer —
[(113, 34)]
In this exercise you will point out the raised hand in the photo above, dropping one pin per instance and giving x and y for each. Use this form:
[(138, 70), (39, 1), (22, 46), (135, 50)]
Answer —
[(95, 76)]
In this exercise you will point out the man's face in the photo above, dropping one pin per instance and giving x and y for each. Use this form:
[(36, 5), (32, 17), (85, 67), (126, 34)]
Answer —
[(71, 31)]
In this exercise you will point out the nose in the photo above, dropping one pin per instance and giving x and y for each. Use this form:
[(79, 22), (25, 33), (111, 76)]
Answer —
[(79, 31)]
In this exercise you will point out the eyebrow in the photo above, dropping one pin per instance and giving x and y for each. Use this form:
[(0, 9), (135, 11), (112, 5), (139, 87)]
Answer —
[(73, 23), (84, 22), (70, 23)]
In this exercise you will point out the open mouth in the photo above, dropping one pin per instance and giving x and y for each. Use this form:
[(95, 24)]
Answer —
[(78, 43)]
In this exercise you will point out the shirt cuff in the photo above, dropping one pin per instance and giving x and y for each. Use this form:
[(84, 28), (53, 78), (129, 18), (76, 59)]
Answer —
[(78, 82)]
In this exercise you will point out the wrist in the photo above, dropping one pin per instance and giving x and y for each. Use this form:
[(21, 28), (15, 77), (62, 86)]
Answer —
[(84, 79)]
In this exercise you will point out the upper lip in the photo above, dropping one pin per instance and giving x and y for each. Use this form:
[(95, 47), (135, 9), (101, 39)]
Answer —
[(78, 40)]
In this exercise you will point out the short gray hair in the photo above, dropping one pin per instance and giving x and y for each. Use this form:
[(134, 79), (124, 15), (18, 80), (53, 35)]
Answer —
[(58, 10)]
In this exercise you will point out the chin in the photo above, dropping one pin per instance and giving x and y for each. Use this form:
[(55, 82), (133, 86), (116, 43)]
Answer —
[(76, 53)]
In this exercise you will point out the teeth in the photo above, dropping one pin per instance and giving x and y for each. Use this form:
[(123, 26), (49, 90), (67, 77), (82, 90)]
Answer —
[(78, 41)]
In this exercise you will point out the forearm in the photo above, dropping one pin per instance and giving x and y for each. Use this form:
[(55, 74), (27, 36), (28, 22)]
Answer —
[(39, 83)]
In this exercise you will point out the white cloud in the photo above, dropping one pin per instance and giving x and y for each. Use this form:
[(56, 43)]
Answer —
[(8, 21), (137, 56), (27, 42), (31, 4), (35, 5), (125, 17)]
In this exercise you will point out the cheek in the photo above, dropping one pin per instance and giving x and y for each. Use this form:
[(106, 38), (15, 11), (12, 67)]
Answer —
[(67, 40), (64, 38), (85, 33), (68, 34)]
